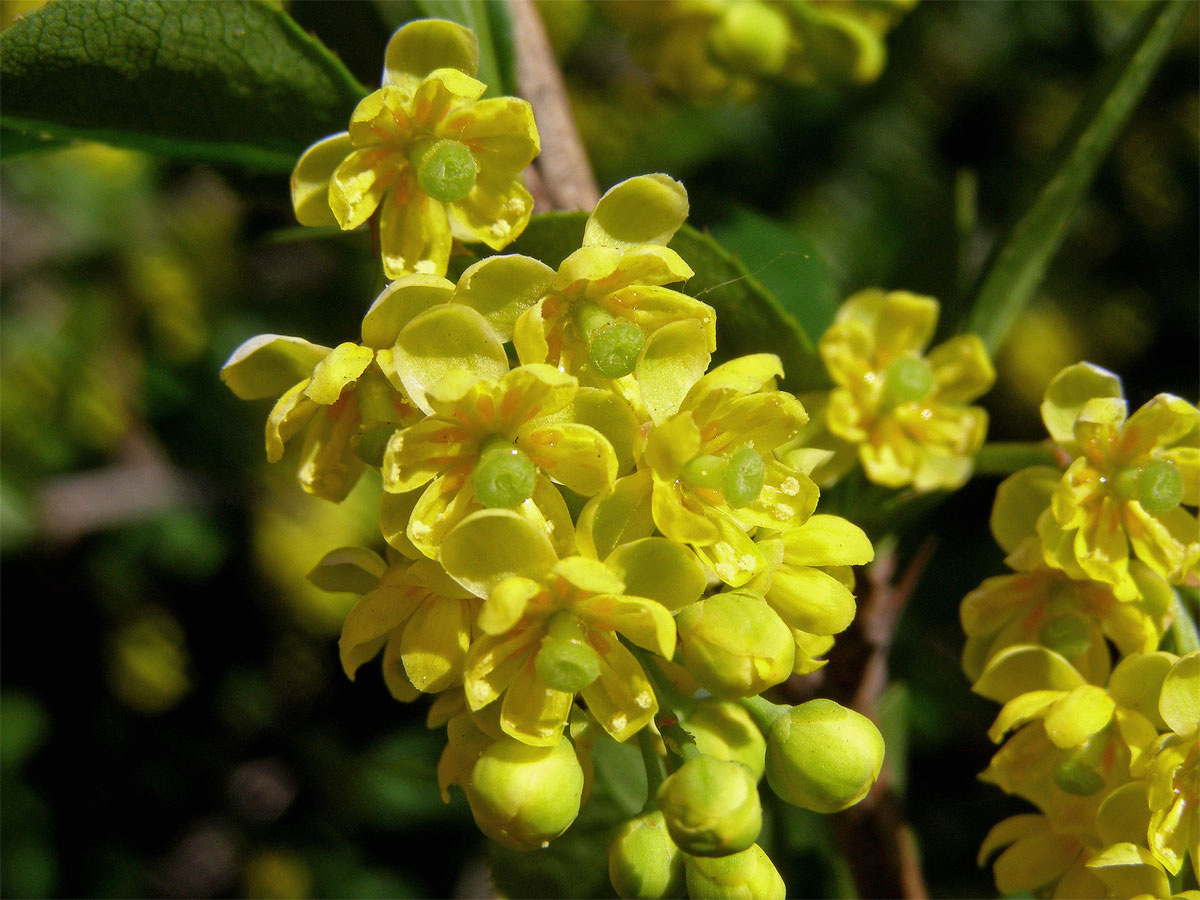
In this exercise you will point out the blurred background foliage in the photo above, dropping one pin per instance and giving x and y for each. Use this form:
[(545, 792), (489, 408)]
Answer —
[(173, 719)]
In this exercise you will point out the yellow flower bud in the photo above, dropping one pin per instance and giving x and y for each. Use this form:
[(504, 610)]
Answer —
[(643, 861), (711, 806), (735, 644), (822, 756), (523, 796)]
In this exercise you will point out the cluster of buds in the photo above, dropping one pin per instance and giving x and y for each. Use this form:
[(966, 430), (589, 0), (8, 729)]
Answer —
[(1107, 753), (590, 532), (724, 49)]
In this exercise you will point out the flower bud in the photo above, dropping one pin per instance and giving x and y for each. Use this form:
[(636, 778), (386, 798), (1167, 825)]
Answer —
[(725, 730), (524, 797), (822, 756), (711, 806), (751, 39), (643, 861), (735, 644), (750, 875)]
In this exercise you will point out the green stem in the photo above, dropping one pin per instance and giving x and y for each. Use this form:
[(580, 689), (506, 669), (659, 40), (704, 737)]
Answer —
[(1006, 457), (763, 712), (1183, 629), (655, 773), (673, 706)]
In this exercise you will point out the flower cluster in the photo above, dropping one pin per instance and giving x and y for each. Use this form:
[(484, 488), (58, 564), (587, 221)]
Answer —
[(586, 526), (1107, 753), (723, 49)]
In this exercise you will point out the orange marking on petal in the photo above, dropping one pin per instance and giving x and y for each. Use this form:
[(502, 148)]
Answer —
[(508, 405), (485, 408), (546, 437)]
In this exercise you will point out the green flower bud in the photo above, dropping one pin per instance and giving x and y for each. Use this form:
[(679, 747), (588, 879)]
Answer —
[(749, 875), (643, 861), (822, 756), (908, 379), (735, 644), (725, 730), (522, 796), (744, 477), (613, 349), (446, 171), (751, 39), (711, 806), (503, 477)]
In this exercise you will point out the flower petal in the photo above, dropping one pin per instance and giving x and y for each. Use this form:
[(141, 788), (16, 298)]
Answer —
[(310, 179), (423, 45), (673, 359), (574, 455), (337, 371), (645, 622), (495, 212), (660, 570), (1024, 668), (621, 698), (506, 604), (500, 133), (811, 600), (414, 231), (1066, 394), (269, 364), (825, 540), (608, 521), (417, 454), (329, 466), (961, 369), (445, 339), (493, 544), (647, 209), (358, 184), (434, 643), (291, 413), (399, 303), (492, 663), (532, 712), (501, 288)]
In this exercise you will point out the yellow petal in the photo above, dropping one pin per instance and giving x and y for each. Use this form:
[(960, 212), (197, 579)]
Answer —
[(269, 364), (291, 413), (423, 45), (399, 303), (495, 212), (573, 455), (310, 179), (621, 698), (338, 370), (414, 231), (434, 643), (532, 712), (647, 209)]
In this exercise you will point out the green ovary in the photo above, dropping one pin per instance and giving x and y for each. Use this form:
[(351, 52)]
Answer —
[(503, 477), (908, 379), (446, 171)]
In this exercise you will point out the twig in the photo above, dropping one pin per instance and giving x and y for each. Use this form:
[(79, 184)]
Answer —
[(873, 835), (566, 174)]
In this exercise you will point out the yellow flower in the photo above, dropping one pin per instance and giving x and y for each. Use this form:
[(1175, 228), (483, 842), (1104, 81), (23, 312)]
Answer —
[(425, 154), (336, 396), (411, 610), (714, 475), (905, 410), (488, 443), (1128, 483), (608, 313), (550, 631), (1039, 605)]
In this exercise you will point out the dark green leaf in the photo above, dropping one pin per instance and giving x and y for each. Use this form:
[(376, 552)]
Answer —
[(1019, 264), (17, 143), (789, 266), (749, 318), (234, 81)]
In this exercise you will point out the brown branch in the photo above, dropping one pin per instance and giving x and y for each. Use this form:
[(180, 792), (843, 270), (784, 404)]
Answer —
[(873, 835), (563, 166)]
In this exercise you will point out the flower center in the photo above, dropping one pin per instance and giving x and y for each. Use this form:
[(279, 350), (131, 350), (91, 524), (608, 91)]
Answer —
[(613, 344), (1067, 636), (1078, 772), (446, 171), (503, 476), (1158, 485), (739, 477), (565, 661), (907, 379)]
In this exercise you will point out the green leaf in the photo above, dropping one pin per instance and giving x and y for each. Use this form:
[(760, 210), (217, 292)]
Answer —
[(1018, 265), (788, 265), (749, 317), (18, 143), (492, 24), (235, 81)]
